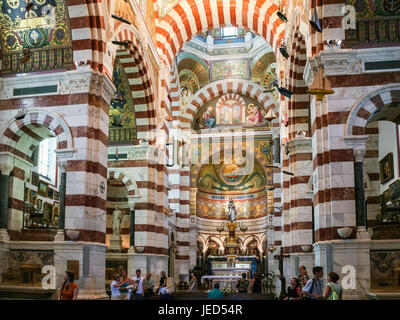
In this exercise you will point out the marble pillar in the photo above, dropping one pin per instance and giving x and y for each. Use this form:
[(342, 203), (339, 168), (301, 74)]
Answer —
[(351, 258), (132, 200), (4, 187), (359, 188), (60, 236), (277, 150)]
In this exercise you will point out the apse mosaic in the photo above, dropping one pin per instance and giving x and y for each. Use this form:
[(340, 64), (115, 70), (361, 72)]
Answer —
[(377, 21), (249, 206), (35, 39), (229, 178), (230, 110), (122, 121)]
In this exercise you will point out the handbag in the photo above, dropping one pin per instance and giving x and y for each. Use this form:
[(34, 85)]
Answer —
[(333, 295)]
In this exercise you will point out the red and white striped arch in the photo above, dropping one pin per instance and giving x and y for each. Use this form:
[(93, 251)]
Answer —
[(120, 175), (136, 69), (221, 87), (364, 108), (15, 129), (190, 17)]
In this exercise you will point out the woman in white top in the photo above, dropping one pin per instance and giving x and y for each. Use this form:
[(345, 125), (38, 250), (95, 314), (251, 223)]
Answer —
[(333, 290), (114, 289)]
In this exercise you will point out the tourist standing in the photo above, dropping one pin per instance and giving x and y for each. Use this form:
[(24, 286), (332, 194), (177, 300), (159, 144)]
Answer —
[(216, 293), (314, 287), (163, 283), (333, 290), (303, 276), (148, 285), (114, 288), (123, 285), (192, 282), (137, 288), (256, 283), (243, 284), (294, 291), (69, 289)]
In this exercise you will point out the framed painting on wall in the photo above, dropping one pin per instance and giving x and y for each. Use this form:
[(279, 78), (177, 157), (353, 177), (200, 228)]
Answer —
[(386, 196), (394, 189), (35, 178), (26, 195), (33, 196), (47, 211), (386, 168), (43, 188), (56, 209)]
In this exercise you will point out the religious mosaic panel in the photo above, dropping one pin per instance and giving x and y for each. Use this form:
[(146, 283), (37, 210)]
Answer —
[(228, 177), (385, 270), (248, 206), (122, 120), (231, 110), (230, 69), (189, 80), (35, 37), (377, 21)]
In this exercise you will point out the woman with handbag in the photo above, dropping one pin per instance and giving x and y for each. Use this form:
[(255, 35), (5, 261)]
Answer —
[(333, 290)]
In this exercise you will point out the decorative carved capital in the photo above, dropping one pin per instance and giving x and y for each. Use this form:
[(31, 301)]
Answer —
[(62, 165), (359, 155), (6, 163), (132, 201), (300, 145), (358, 144)]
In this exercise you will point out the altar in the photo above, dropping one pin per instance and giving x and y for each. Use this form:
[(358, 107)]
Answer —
[(227, 269), (226, 272)]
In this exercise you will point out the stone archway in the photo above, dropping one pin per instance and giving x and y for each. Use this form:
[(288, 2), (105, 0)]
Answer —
[(190, 17), (365, 107), (221, 87), (14, 129)]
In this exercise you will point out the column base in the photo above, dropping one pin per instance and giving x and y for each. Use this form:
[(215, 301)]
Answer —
[(88, 294), (90, 259), (60, 236), (351, 261), (4, 236), (146, 263), (362, 233), (4, 249)]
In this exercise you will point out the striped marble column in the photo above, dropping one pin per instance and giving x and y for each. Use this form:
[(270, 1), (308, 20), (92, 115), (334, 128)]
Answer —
[(5, 169)]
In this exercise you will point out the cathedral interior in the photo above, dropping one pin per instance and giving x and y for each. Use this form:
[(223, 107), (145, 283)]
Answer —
[(216, 136)]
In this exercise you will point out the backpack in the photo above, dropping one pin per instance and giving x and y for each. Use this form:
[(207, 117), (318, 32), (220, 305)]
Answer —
[(333, 294)]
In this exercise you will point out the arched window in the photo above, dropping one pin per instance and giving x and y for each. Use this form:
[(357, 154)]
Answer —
[(229, 32), (47, 159)]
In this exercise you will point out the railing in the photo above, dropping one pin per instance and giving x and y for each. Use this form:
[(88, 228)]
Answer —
[(121, 135)]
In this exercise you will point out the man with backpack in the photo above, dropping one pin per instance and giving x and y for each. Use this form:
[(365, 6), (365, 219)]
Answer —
[(314, 287)]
